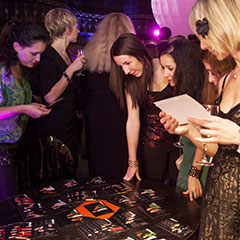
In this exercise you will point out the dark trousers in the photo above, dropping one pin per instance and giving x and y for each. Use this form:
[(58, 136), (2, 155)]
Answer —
[(160, 164)]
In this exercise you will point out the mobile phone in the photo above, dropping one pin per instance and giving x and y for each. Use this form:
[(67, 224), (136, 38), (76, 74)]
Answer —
[(50, 106)]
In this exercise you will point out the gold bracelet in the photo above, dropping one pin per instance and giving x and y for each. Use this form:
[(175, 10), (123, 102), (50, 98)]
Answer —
[(133, 164)]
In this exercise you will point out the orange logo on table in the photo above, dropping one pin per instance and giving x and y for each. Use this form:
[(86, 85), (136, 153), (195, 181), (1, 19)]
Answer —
[(99, 209)]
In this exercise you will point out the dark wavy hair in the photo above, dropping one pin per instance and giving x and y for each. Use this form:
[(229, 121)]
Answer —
[(25, 33), (189, 75), (130, 44)]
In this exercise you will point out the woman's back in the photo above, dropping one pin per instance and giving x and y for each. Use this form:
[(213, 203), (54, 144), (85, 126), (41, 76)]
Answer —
[(105, 128)]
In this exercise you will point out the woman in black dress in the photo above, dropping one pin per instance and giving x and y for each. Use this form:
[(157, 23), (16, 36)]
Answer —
[(56, 78), (105, 121), (216, 24)]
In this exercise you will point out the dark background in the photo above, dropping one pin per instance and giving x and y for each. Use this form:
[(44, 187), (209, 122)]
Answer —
[(88, 12)]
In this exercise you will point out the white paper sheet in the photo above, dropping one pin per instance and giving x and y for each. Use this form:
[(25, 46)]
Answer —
[(182, 107)]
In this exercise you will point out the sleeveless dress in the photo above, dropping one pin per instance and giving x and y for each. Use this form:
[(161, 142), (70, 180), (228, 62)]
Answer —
[(158, 152), (105, 128), (221, 207)]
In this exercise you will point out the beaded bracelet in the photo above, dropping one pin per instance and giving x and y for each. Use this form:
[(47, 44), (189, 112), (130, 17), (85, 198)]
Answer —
[(194, 172), (133, 164), (67, 77)]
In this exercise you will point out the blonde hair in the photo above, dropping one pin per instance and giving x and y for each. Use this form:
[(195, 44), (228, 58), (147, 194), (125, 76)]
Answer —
[(97, 50), (224, 22), (57, 20)]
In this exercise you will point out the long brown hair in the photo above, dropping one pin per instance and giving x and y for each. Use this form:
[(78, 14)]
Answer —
[(219, 69), (130, 44), (189, 75)]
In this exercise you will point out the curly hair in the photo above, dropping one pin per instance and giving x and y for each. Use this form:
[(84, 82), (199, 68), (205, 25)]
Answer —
[(25, 33), (130, 44), (97, 50), (189, 75)]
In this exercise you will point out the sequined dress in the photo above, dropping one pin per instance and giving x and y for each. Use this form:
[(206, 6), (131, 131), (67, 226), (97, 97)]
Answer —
[(221, 208), (159, 154)]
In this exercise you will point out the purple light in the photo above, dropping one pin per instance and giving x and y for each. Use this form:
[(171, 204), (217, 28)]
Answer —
[(156, 32)]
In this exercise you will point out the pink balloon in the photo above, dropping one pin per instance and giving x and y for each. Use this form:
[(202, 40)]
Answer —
[(173, 14)]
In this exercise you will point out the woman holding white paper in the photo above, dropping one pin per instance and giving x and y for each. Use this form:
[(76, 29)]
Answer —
[(216, 24), (185, 71)]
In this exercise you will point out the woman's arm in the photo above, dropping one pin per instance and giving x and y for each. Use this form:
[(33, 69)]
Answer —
[(221, 130), (34, 110), (194, 185), (132, 130), (190, 130), (57, 90)]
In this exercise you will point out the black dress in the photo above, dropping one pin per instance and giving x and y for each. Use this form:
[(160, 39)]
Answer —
[(221, 207), (105, 128), (61, 122)]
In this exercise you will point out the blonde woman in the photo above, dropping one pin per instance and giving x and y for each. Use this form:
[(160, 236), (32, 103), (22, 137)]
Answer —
[(105, 121), (216, 23), (57, 79)]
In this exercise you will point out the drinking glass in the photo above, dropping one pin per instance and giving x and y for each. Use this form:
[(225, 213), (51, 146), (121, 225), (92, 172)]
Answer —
[(207, 161), (80, 52), (179, 143)]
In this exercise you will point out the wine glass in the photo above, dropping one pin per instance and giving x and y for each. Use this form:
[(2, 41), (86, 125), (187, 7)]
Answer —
[(179, 143), (80, 52), (207, 161)]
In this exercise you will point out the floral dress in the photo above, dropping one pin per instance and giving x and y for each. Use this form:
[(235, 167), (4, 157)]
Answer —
[(11, 94)]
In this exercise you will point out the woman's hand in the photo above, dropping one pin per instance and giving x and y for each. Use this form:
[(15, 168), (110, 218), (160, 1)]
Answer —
[(194, 188), (131, 172), (78, 63), (171, 124), (221, 130), (36, 110)]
